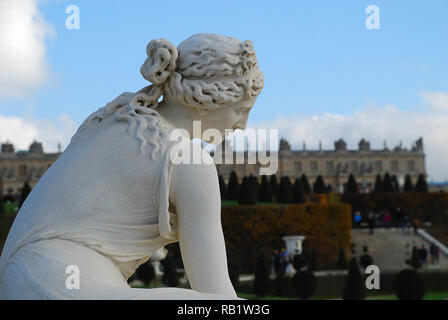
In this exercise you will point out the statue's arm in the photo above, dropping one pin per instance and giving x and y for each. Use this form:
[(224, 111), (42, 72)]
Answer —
[(195, 192)]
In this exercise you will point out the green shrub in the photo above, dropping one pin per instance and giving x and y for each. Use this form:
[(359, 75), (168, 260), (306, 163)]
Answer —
[(283, 286), (304, 283), (262, 282), (233, 188), (354, 284), (408, 285), (145, 273), (170, 276), (247, 196), (342, 260)]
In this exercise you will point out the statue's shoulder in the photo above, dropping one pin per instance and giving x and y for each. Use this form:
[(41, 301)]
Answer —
[(144, 124)]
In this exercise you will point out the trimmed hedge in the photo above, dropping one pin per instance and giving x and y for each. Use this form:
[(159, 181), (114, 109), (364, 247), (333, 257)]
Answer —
[(423, 206), (333, 285), (250, 230)]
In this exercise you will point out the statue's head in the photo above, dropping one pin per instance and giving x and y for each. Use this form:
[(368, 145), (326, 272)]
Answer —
[(215, 75)]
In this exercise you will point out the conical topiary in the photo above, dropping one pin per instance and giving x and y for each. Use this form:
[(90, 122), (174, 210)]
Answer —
[(421, 185), (352, 185), (222, 187), (265, 192), (298, 193), (354, 284), (378, 184), (26, 189), (387, 183), (233, 188), (273, 184), (246, 192), (262, 283), (306, 184), (408, 187), (319, 185), (284, 193)]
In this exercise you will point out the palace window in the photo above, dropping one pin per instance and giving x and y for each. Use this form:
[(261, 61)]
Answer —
[(354, 166), (313, 167), (378, 166), (411, 166), (394, 166), (330, 167), (298, 167), (22, 170)]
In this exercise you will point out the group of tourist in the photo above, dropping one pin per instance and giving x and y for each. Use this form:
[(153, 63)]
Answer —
[(431, 257), (385, 219), (279, 261)]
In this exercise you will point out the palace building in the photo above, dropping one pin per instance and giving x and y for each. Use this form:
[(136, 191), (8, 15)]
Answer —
[(19, 167), (336, 165)]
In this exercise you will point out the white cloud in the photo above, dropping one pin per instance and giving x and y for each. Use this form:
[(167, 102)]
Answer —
[(376, 124), (23, 62), (21, 132)]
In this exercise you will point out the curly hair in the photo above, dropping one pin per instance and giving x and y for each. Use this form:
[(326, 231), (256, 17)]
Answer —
[(206, 72)]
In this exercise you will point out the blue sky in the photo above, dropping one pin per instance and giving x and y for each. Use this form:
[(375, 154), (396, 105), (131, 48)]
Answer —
[(319, 60)]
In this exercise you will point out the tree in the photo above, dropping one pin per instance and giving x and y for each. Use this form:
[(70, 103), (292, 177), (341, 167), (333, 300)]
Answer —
[(378, 184), (26, 189), (284, 193), (170, 276), (352, 185), (414, 261), (145, 273), (262, 282), (387, 183), (408, 285), (304, 283), (222, 186), (298, 193), (247, 196), (421, 185), (283, 286), (395, 185), (342, 260), (265, 192), (365, 260), (254, 185), (313, 264), (233, 188), (306, 184), (319, 185), (354, 284), (408, 187), (273, 184)]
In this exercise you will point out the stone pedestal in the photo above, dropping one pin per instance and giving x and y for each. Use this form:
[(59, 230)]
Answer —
[(155, 259), (293, 247)]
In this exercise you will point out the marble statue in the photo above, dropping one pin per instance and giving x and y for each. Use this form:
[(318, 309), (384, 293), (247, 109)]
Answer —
[(114, 196)]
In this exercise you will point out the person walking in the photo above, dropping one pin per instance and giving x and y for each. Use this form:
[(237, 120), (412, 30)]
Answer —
[(371, 221), (423, 253)]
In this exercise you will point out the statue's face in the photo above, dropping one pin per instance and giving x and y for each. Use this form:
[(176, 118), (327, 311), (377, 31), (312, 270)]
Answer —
[(232, 117)]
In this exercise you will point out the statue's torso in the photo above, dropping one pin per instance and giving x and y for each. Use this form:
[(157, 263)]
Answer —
[(103, 193)]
